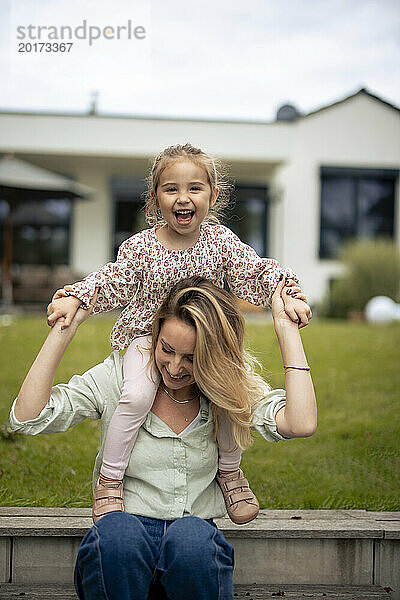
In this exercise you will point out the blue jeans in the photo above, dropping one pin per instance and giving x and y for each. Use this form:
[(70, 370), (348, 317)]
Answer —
[(128, 557)]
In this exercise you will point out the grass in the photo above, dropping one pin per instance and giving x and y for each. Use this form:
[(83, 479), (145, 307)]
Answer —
[(353, 461)]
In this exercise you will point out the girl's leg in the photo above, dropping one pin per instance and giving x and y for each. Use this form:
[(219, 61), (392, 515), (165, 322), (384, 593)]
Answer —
[(116, 560), (196, 561), (241, 504), (136, 400), (229, 453)]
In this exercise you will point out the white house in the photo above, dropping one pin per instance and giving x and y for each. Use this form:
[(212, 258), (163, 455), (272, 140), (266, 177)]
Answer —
[(304, 183)]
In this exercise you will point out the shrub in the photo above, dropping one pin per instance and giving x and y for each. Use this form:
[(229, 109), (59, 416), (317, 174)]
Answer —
[(370, 268)]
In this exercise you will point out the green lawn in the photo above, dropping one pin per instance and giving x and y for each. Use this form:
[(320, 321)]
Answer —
[(353, 461)]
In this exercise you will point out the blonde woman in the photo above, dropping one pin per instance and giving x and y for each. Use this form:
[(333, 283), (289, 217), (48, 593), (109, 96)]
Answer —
[(197, 353)]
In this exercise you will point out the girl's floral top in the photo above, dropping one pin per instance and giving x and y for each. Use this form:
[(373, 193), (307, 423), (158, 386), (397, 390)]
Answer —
[(145, 271)]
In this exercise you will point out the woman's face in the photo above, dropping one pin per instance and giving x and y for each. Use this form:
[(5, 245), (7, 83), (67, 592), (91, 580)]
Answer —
[(174, 353)]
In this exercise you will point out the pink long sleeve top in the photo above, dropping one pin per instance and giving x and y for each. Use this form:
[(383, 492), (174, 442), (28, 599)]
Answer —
[(145, 271)]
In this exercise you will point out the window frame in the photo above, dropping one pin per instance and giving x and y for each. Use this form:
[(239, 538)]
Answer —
[(356, 174)]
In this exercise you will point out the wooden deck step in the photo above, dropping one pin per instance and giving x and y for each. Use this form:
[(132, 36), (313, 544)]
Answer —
[(12, 591)]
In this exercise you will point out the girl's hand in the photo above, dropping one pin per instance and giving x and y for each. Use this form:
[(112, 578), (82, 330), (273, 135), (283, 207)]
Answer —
[(62, 307), (62, 292)]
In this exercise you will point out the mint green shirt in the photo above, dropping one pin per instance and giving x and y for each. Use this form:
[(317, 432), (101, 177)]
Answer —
[(169, 475)]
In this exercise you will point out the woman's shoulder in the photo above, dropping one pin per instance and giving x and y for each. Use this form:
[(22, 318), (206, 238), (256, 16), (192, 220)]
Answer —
[(104, 379), (111, 368)]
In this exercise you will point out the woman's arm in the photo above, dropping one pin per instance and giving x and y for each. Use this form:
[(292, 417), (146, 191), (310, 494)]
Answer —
[(36, 388), (298, 418)]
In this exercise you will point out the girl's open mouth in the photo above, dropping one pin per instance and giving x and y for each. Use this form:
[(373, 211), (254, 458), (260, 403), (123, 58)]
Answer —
[(184, 217)]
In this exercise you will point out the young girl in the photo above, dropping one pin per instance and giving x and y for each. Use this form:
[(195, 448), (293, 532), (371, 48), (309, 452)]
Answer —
[(185, 192)]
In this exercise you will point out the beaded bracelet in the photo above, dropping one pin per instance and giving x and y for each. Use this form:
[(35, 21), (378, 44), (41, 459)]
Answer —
[(297, 368)]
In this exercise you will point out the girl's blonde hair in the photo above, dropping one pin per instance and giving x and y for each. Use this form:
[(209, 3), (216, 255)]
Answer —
[(223, 370), (212, 166)]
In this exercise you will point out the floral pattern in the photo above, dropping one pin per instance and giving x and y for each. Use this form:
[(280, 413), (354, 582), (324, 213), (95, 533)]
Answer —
[(145, 271)]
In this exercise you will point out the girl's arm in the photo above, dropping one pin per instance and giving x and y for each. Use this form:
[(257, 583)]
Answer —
[(298, 418), (118, 284), (36, 388), (255, 279)]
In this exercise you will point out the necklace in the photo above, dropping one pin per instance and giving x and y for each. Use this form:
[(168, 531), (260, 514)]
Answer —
[(164, 389)]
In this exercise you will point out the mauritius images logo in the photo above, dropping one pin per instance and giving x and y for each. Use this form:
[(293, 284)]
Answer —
[(84, 32)]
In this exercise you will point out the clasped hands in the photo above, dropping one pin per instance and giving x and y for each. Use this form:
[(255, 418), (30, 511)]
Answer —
[(63, 309), (290, 304)]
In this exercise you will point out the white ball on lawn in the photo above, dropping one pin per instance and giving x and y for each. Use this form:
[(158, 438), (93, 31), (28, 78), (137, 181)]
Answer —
[(381, 309)]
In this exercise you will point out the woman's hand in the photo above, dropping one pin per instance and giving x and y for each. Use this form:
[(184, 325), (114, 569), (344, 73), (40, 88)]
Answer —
[(289, 298), (277, 306)]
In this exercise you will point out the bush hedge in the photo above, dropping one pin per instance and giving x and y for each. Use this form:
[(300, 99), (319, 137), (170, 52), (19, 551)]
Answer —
[(370, 268)]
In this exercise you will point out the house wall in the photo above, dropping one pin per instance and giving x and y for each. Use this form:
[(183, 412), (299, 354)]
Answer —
[(92, 219), (135, 137), (359, 132), (92, 222), (93, 149)]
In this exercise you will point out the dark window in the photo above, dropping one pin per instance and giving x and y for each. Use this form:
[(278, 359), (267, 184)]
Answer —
[(355, 203), (41, 231), (129, 215), (248, 217)]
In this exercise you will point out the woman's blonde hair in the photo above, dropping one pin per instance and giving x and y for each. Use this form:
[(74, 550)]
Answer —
[(223, 370), (215, 175)]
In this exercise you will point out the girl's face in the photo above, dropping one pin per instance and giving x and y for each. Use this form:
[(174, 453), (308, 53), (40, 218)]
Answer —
[(184, 197), (174, 355)]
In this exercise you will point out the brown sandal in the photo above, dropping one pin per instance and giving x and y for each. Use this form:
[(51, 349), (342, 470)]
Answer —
[(241, 504), (107, 497)]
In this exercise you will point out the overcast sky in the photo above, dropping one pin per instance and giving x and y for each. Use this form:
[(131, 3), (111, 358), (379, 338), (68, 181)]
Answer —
[(209, 58)]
